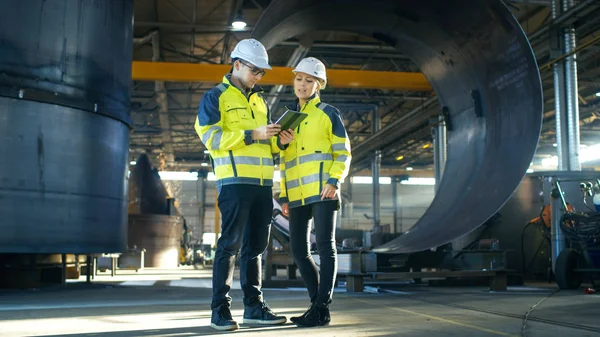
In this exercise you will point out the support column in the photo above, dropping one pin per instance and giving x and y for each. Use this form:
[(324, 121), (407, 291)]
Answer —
[(565, 92), (375, 166), (566, 104), (395, 182), (201, 197)]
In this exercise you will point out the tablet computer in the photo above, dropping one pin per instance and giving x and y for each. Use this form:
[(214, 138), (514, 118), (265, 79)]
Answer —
[(291, 119)]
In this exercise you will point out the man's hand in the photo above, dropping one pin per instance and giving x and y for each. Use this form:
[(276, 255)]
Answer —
[(285, 209), (265, 131), (286, 136), (329, 192)]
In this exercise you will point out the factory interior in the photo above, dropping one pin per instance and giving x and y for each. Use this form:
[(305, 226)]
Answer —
[(471, 206)]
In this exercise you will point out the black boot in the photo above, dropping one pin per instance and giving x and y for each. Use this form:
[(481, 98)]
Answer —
[(303, 316), (317, 315), (258, 312), (221, 319)]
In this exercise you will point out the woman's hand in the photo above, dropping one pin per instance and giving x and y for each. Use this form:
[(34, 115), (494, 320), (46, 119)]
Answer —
[(329, 192), (286, 136), (285, 209)]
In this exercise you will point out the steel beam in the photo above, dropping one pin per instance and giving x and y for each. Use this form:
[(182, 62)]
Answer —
[(336, 78)]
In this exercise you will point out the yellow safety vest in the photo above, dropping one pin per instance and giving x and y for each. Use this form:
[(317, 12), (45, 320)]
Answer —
[(318, 155), (226, 118)]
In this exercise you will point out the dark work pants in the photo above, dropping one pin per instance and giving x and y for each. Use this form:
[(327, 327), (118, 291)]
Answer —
[(246, 212), (320, 287)]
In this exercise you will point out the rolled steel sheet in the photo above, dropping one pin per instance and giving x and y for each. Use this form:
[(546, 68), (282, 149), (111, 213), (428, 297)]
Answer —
[(483, 71), (65, 77), (147, 194), (159, 235)]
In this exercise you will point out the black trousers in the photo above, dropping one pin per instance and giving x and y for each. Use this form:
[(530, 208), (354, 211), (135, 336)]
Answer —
[(319, 284), (246, 212)]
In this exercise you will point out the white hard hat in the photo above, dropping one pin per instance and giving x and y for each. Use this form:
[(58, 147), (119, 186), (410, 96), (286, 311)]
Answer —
[(252, 51), (314, 67)]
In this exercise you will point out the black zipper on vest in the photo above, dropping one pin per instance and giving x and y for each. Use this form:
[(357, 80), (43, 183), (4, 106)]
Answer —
[(321, 177), (232, 163)]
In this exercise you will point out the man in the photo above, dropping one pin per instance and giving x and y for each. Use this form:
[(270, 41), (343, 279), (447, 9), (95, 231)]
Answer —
[(233, 123)]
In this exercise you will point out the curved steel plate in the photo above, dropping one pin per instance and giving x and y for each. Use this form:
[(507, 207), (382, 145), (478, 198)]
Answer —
[(63, 180), (482, 68)]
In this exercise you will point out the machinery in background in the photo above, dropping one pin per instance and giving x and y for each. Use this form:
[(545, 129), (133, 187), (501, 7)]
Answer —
[(154, 222), (580, 256)]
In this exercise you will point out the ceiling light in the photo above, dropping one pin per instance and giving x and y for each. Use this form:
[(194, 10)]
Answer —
[(426, 146), (133, 162), (239, 22), (409, 168), (555, 145), (399, 157), (598, 94), (204, 164)]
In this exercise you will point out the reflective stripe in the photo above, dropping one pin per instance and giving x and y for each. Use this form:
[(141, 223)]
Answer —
[(313, 178), (282, 173), (263, 141), (243, 160), (216, 143), (342, 158), (222, 87), (295, 203), (221, 161), (292, 183), (338, 147), (290, 164), (322, 105), (247, 160), (209, 132), (315, 157)]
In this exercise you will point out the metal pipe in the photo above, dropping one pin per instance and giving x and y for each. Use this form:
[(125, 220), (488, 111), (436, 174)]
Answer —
[(559, 96), (375, 168), (572, 103)]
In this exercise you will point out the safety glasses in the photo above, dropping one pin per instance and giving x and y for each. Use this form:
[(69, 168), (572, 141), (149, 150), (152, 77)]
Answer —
[(253, 69)]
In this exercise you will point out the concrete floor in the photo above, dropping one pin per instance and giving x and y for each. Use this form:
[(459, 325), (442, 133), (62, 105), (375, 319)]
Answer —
[(176, 303)]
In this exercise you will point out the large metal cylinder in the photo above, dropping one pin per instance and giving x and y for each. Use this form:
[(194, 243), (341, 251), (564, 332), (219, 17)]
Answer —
[(159, 235), (65, 74), (482, 68)]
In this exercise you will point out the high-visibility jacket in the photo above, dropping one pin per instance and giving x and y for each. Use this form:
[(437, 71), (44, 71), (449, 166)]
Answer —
[(318, 155), (226, 118)]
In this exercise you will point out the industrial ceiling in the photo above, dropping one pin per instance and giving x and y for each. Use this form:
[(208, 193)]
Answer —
[(199, 33)]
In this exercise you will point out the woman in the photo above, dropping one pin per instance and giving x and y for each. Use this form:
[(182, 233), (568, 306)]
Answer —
[(312, 167)]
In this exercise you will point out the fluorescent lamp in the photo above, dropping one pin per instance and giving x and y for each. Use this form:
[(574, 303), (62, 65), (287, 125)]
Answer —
[(409, 168), (204, 164), (173, 175), (133, 162), (530, 170), (369, 180), (419, 181), (598, 94)]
